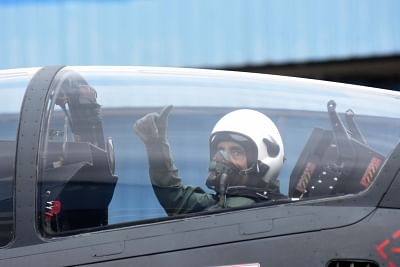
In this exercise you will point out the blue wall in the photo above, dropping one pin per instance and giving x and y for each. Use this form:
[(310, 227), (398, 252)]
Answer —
[(195, 33)]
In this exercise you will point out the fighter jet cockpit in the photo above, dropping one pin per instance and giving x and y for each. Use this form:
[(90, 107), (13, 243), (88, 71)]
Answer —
[(124, 147)]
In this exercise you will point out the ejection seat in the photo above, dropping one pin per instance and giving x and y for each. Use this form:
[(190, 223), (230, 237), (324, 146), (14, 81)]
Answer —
[(77, 177), (337, 161)]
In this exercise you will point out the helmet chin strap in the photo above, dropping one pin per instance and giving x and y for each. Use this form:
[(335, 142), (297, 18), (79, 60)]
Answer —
[(258, 169), (251, 170), (255, 173)]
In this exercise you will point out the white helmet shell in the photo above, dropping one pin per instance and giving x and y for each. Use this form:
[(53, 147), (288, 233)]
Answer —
[(256, 127)]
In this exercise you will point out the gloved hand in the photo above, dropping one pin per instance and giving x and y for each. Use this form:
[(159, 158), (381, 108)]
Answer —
[(152, 130), (153, 126)]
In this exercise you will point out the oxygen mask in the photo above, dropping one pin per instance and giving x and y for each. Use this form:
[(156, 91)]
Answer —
[(222, 172)]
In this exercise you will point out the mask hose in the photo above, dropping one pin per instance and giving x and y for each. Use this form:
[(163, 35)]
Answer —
[(222, 189), (222, 174)]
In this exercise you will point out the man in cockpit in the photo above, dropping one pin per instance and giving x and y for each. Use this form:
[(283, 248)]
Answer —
[(246, 156)]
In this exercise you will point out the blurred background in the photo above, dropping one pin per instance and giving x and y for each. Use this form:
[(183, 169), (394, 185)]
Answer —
[(354, 41)]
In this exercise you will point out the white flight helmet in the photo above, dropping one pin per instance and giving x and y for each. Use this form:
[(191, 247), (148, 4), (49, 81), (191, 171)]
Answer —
[(261, 137)]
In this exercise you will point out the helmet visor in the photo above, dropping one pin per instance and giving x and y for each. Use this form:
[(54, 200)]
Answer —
[(248, 144)]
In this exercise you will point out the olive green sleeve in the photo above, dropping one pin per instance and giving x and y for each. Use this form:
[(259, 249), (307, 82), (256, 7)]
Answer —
[(171, 193), (181, 199), (162, 170)]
